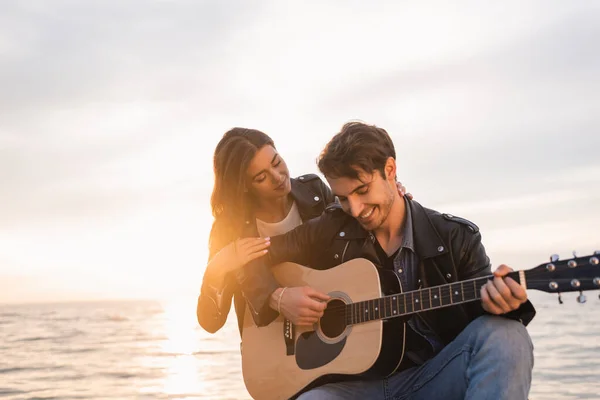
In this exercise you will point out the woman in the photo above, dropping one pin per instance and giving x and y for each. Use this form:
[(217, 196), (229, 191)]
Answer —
[(253, 199)]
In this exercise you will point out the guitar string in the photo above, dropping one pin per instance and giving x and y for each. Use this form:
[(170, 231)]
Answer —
[(530, 279), (443, 297)]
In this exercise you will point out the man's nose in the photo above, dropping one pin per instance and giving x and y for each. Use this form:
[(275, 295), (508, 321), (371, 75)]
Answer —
[(355, 206)]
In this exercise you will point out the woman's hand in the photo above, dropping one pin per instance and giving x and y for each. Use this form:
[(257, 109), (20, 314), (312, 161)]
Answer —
[(402, 191), (234, 256), (249, 249)]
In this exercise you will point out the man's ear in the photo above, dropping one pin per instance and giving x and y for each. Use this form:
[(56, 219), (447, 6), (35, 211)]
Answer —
[(390, 169)]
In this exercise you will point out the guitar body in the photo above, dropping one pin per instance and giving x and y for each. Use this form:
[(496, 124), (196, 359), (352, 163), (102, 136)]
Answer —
[(362, 333), (274, 368)]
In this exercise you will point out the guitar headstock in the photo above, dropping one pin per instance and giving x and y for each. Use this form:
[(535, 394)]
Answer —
[(575, 274)]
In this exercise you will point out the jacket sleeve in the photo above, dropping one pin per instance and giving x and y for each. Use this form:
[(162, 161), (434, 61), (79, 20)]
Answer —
[(475, 263), (213, 303), (301, 245)]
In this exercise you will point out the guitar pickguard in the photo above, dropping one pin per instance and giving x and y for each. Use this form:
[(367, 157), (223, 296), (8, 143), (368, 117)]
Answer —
[(312, 352)]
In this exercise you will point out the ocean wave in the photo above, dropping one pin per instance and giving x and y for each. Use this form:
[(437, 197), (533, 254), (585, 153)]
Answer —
[(64, 335), (7, 391), (34, 339), (10, 314), (75, 351), (28, 369), (115, 317), (46, 398), (62, 378), (119, 375)]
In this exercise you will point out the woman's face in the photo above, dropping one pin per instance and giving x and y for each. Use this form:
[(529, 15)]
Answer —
[(267, 175)]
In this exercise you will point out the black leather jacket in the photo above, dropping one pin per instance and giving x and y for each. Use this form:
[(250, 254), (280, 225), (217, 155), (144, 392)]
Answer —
[(312, 196), (449, 248)]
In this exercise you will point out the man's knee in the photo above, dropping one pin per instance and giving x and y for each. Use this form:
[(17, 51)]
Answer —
[(507, 337)]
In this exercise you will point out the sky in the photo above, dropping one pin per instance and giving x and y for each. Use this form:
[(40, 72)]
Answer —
[(110, 112)]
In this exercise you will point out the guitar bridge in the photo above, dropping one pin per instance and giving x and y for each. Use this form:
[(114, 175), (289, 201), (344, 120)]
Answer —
[(288, 336)]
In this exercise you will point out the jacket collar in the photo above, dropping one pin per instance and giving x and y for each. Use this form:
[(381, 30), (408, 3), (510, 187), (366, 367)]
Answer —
[(306, 199), (428, 242), (426, 239)]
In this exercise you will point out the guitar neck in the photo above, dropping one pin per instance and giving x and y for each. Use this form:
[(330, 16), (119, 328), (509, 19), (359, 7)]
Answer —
[(407, 303)]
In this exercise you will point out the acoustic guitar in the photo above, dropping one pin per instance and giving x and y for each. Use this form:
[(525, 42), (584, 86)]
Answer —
[(360, 333)]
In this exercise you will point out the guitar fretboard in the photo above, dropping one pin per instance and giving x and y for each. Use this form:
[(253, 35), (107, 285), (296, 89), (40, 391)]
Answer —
[(418, 300)]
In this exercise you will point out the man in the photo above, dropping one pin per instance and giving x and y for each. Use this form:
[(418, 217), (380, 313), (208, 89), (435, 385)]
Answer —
[(477, 350)]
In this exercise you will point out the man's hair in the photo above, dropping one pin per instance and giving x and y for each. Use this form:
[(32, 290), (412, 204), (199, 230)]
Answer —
[(356, 147)]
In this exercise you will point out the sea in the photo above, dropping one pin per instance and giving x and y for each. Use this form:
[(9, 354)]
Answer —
[(156, 350)]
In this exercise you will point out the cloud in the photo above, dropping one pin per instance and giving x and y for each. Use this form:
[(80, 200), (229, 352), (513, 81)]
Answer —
[(111, 111), (65, 54)]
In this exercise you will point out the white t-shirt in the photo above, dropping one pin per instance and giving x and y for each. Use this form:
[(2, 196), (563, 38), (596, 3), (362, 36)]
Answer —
[(290, 221)]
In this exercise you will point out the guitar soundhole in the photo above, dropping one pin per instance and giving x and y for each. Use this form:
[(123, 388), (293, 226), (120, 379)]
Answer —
[(333, 322)]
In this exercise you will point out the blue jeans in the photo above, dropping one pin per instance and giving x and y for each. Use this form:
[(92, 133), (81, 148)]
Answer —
[(492, 358)]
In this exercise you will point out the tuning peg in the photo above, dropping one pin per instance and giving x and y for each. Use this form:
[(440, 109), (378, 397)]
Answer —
[(581, 298), (597, 253), (554, 257), (574, 254), (560, 301)]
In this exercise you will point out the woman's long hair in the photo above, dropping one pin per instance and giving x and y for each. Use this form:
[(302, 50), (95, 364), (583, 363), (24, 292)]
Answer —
[(230, 201)]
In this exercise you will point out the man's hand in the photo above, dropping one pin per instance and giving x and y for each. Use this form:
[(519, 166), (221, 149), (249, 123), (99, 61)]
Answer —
[(502, 295), (302, 305)]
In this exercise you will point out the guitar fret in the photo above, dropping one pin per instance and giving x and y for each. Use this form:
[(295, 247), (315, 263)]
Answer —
[(462, 291), (417, 302), (363, 311), (456, 293), (386, 310), (445, 296), (471, 291), (372, 313), (481, 282), (427, 304), (435, 298)]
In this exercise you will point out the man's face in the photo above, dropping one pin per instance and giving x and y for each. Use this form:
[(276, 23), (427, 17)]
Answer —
[(369, 199)]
